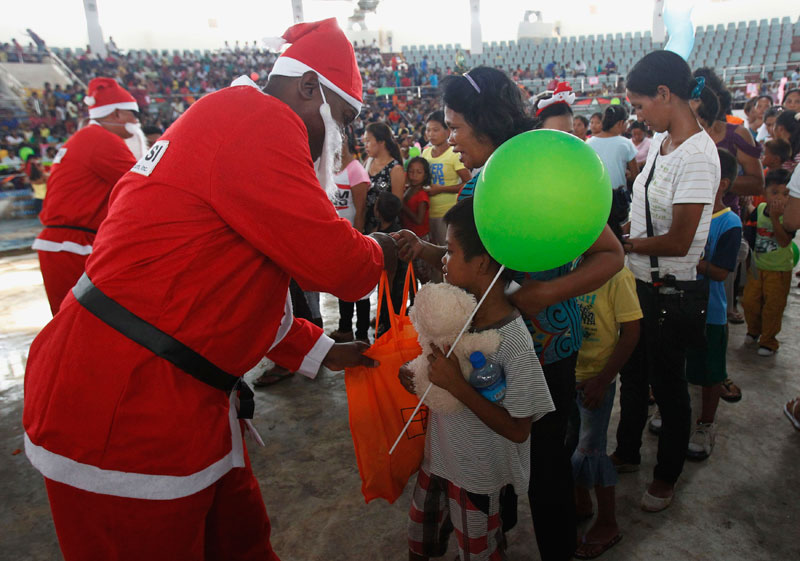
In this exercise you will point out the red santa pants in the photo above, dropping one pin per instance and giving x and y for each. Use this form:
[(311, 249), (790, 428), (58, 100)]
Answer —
[(226, 521), (60, 271)]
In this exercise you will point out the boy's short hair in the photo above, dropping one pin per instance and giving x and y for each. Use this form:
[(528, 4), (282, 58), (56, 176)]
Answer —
[(780, 148), (728, 166), (461, 217), (389, 206), (777, 177)]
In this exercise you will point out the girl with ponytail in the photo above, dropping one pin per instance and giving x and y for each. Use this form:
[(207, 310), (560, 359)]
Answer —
[(676, 189), (617, 152)]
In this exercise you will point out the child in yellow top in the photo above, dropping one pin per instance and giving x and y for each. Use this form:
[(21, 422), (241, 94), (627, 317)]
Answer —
[(610, 316)]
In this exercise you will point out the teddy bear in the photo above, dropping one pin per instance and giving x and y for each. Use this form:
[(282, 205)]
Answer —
[(440, 311)]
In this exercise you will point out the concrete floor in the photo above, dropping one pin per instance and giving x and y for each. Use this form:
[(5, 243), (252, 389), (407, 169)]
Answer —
[(741, 504)]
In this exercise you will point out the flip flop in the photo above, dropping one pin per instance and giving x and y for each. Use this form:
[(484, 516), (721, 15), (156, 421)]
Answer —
[(730, 392), (792, 410), (603, 547), (272, 376)]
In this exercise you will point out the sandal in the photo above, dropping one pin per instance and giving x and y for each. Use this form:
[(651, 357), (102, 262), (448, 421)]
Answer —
[(272, 376), (582, 553), (792, 411), (730, 391)]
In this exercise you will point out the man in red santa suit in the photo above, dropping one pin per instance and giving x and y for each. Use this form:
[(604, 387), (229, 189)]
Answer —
[(131, 391), (84, 171)]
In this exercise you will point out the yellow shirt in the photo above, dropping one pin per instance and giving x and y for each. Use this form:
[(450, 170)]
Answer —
[(444, 171), (601, 313)]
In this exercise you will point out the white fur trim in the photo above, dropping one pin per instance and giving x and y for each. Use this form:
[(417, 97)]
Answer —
[(137, 485), (56, 247), (244, 81), (103, 110), (273, 43), (314, 357), (286, 321), (286, 66), (89, 100)]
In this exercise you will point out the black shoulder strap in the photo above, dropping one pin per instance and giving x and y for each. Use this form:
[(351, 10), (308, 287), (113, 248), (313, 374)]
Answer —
[(650, 233)]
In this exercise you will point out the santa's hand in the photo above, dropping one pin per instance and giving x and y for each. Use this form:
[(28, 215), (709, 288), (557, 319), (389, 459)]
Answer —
[(346, 355), (445, 372), (389, 247), (406, 378), (409, 245)]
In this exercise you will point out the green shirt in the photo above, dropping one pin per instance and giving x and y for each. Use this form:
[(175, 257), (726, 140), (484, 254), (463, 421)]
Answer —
[(769, 255)]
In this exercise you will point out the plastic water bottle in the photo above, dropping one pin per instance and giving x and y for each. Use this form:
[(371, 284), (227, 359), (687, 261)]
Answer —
[(487, 377)]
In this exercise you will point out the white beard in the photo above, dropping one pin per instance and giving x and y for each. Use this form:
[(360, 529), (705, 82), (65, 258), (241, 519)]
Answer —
[(137, 143), (330, 160)]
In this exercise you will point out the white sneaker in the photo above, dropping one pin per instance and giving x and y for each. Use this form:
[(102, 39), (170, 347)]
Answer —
[(701, 443), (750, 340), (654, 425), (765, 351)]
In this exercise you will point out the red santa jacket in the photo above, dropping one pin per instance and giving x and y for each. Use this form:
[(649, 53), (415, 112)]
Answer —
[(84, 172), (201, 239)]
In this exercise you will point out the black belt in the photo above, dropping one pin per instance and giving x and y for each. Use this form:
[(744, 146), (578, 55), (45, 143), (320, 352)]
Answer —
[(79, 228), (162, 344)]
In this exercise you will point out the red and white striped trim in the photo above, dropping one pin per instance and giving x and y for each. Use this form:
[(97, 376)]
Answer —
[(55, 247), (137, 485)]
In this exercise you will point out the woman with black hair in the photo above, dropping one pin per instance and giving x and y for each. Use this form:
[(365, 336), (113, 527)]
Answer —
[(641, 141), (787, 128), (734, 138), (617, 153), (737, 140), (483, 109), (596, 123), (791, 100), (580, 126), (384, 166), (670, 221)]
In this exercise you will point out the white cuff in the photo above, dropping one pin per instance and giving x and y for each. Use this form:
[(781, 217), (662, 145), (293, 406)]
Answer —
[(314, 357)]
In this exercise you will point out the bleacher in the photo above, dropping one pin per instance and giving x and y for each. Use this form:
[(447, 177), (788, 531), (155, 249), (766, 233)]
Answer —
[(741, 49)]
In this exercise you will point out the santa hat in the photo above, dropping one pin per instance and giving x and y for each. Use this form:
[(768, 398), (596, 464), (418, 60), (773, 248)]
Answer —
[(562, 94), (105, 95), (321, 46)]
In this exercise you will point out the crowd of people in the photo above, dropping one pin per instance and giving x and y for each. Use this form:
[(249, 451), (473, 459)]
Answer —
[(701, 214)]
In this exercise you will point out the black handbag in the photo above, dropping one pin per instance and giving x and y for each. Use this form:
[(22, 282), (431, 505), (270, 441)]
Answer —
[(681, 305)]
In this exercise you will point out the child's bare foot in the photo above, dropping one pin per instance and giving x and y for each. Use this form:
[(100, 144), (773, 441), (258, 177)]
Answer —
[(583, 504)]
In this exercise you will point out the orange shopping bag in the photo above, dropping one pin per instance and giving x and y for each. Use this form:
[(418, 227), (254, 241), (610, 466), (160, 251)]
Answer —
[(379, 407)]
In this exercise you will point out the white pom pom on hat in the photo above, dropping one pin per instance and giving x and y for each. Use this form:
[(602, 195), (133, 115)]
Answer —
[(89, 100)]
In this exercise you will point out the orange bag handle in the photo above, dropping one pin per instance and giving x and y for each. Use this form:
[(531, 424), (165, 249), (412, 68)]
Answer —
[(410, 282), (383, 291)]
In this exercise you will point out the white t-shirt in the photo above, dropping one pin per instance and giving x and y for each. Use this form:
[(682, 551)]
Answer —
[(616, 152), (690, 174), (462, 449), (794, 184), (353, 174)]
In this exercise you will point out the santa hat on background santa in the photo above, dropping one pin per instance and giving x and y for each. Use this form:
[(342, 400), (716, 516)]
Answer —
[(562, 94), (105, 95), (321, 46)]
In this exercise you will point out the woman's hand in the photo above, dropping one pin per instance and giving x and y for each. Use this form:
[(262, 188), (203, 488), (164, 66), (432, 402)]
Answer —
[(409, 246)]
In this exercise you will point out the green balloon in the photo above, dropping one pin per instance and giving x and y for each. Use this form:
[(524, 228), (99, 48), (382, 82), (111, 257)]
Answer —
[(25, 152), (413, 152), (795, 254), (542, 199), (615, 101)]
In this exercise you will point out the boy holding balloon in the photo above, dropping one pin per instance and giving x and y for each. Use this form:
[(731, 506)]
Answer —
[(473, 454)]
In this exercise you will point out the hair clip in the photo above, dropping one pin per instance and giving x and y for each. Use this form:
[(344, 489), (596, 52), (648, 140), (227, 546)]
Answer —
[(698, 89), (471, 81)]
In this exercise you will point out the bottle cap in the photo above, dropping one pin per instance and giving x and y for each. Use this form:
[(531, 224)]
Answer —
[(477, 360)]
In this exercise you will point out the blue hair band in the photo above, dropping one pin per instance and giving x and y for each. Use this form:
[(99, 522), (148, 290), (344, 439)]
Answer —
[(698, 89)]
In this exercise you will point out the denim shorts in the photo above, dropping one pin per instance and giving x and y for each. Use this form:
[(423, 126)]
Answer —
[(591, 465)]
